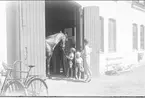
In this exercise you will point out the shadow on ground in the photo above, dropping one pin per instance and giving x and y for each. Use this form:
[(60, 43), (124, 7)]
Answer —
[(66, 79)]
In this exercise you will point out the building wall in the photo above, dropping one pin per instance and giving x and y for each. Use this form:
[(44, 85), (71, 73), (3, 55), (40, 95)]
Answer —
[(120, 11), (3, 34), (18, 31), (32, 36), (125, 16), (12, 29)]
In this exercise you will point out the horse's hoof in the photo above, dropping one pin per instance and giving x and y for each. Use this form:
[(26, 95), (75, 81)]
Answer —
[(89, 80), (49, 77), (85, 81)]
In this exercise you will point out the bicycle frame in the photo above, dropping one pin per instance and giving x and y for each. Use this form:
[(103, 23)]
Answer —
[(8, 76), (10, 70), (27, 80), (5, 80)]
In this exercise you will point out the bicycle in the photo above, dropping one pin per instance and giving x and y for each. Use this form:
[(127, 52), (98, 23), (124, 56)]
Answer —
[(11, 87), (28, 84)]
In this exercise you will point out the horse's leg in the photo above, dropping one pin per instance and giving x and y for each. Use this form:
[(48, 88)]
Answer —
[(48, 65), (48, 57)]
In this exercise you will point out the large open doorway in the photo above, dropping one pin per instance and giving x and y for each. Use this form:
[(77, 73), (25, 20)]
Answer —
[(62, 16), (38, 19)]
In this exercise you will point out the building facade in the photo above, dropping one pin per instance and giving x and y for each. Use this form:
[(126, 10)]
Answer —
[(122, 32), (115, 30)]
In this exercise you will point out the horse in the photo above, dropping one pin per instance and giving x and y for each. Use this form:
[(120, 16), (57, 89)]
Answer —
[(51, 42)]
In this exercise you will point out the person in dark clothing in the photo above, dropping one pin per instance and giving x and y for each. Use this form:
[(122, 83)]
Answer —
[(60, 59)]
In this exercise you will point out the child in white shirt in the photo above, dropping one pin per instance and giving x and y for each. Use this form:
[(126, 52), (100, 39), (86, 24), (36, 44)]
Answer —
[(87, 51), (79, 65)]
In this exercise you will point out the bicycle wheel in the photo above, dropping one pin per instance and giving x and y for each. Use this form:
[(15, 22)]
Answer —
[(37, 87), (14, 88)]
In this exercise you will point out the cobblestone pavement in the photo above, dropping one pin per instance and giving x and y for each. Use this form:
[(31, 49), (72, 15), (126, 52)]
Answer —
[(127, 84)]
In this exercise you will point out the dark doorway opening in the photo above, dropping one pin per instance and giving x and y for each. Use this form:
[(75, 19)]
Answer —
[(61, 16)]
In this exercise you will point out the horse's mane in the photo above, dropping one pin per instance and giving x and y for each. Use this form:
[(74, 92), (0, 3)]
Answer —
[(50, 36), (54, 35)]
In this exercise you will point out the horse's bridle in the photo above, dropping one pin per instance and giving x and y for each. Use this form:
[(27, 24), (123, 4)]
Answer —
[(63, 49)]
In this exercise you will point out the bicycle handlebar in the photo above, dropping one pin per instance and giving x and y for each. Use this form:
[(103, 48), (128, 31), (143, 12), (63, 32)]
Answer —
[(11, 67), (14, 64), (17, 62)]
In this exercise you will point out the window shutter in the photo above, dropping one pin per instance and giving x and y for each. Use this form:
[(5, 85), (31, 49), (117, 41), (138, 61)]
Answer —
[(135, 37), (102, 34), (112, 35)]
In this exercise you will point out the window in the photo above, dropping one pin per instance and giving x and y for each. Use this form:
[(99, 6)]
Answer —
[(112, 35), (135, 37), (142, 37), (102, 34)]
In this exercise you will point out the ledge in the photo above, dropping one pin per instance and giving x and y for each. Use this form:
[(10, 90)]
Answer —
[(138, 6)]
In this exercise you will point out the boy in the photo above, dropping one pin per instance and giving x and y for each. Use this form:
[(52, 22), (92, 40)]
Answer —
[(79, 65), (70, 58)]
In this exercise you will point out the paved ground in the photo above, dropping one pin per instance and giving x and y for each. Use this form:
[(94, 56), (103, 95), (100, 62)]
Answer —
[(127, 84)]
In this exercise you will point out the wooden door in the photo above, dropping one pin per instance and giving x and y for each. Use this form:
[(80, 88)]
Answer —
[(32, 35), (92, 34), (12, 29)]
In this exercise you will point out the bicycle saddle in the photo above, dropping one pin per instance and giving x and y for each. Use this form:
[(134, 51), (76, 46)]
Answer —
[(31, 66)]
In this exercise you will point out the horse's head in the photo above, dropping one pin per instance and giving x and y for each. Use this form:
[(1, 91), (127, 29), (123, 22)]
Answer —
[(64, 39)]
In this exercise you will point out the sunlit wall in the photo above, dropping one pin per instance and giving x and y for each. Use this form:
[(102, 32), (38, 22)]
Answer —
[(125, 16), (3, 34)]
